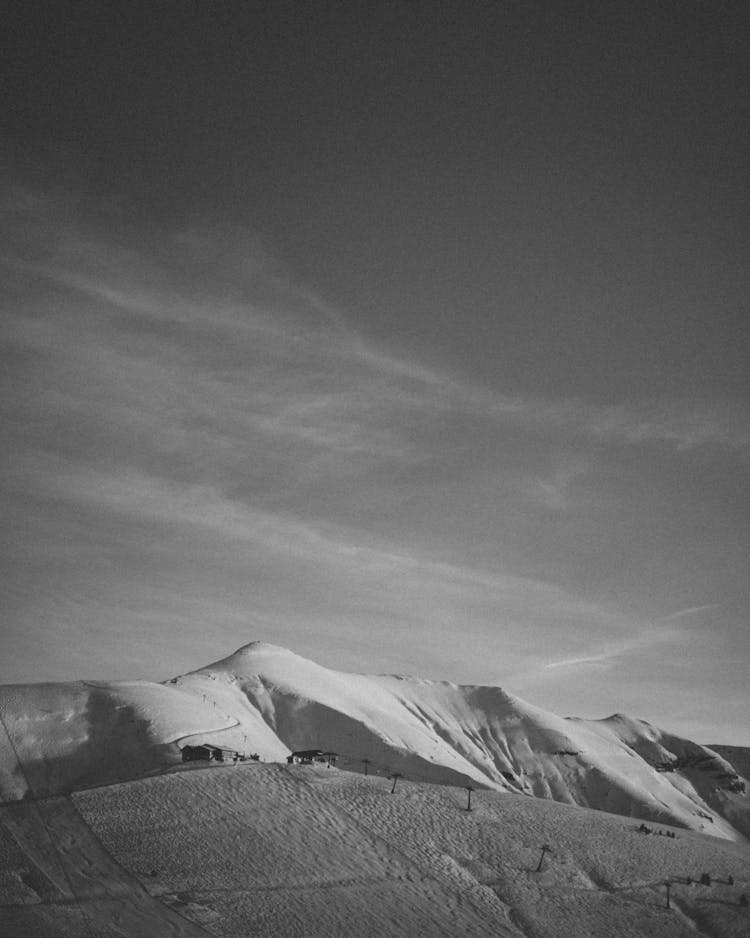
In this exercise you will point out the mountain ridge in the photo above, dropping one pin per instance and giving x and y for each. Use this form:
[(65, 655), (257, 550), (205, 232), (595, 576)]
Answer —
[(268, 700)]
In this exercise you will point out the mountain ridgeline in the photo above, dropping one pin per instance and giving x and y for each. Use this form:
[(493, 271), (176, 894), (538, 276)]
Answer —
[(267, 701)]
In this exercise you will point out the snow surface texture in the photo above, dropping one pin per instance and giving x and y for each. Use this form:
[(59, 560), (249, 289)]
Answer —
[(266, 700), (286, 851)]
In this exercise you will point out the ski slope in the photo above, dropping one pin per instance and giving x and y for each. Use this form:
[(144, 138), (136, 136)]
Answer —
[(288, 851)]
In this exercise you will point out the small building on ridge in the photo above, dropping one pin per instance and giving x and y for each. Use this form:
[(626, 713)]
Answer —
[(311, 756), (209, 753)]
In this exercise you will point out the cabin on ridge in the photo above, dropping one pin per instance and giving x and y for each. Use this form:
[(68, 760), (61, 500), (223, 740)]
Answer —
[(209, 753), (311, 756)]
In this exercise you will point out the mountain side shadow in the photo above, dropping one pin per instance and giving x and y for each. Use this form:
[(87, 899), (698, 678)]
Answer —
[(118, 746)]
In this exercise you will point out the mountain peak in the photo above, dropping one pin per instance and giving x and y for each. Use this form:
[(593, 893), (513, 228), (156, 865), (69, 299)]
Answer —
[(261, 647), (255, 650)]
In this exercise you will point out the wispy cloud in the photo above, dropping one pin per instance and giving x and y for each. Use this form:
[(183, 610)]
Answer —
[(138, 498), (183, 397), (219, 335), (607, 658), (690, 611), (624, 649)]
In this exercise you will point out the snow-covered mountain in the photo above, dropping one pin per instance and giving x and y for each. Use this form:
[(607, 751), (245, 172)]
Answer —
[(267, 700)]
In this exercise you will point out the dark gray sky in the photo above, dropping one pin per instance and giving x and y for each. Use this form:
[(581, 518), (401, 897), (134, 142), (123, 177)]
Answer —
[(410, 336)]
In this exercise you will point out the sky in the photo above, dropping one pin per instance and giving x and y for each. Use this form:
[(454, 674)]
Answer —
[(409, 336)]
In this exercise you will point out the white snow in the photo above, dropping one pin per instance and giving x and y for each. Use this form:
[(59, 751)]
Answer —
[(285, 851), (61, 736), (442, 732), (267, 700), (273, 849)]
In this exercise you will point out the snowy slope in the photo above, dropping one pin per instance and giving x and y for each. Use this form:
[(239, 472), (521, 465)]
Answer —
[(289, 851), (268, 700), (56, 737)]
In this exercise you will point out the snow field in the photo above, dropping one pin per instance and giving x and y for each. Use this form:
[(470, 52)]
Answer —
[(268, 855), (602, 877), (282, 850)]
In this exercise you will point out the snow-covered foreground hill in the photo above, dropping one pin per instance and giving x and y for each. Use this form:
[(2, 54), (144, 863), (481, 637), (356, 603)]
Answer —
[(266, 700), (284, 851)]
